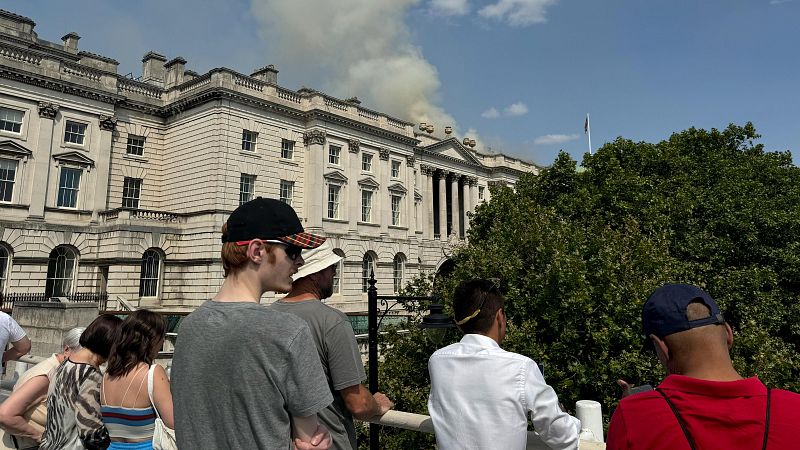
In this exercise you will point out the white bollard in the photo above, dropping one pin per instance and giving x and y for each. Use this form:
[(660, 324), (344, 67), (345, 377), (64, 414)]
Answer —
[(590, 413)]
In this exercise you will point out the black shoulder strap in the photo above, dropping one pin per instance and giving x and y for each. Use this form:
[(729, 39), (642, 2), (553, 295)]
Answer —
[(766, 421), (689, 438)]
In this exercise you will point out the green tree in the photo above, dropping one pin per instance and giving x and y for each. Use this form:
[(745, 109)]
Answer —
[(578, 250)]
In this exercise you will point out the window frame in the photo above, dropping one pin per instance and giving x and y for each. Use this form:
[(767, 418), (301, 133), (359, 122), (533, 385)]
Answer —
[(83, 136), (76, 188), (249, 141), (395, 173), (481, 193), (6, 182), (5, 120), (290, 188), (337, 279), (246, 179), (338, 201), (337, 154), (368, 262), (287, 148), (133, 200), (396, 214), (370, 208), (56, 268), (399, 262), (138, 149), (366, 162), (151, 273), (6, 263)]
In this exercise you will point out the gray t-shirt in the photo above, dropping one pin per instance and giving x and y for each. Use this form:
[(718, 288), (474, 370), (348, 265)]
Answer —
[(239, 373), (341, 361)]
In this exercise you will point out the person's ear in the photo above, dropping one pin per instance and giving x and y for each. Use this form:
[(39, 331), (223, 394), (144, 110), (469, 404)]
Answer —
[(662, 351), (254, 250), (729, 337)]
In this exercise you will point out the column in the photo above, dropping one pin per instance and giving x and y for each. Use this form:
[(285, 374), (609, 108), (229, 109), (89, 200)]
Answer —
[(466, 197), (103, 165), (442, 206), (382, 200), (42, 160), (351, 194), (454, 204), (473, 189), (410, 220), (427, 201), (315, 150)]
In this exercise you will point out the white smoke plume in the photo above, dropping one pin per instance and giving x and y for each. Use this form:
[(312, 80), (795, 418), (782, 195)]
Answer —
[(355, 48)]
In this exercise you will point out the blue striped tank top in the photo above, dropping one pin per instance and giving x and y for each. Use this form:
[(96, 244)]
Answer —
[(129, 423)]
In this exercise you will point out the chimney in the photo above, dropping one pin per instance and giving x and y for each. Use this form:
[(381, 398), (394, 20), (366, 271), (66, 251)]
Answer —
[(268, 74), (153, 68), (71, 42), (175, 69)]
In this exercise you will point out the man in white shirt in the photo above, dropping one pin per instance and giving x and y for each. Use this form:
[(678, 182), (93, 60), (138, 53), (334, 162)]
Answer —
[(481, 394)]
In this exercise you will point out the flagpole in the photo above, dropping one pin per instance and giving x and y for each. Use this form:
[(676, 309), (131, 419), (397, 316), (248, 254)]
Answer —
[(589, 132)]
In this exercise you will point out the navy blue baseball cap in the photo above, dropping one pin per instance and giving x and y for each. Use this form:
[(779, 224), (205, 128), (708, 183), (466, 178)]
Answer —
[(664, 312)]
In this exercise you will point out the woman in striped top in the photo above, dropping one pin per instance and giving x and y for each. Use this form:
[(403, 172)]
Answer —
[(127, 411)]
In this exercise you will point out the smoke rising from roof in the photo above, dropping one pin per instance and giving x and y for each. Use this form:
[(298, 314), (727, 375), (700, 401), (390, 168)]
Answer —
[(355, 48)]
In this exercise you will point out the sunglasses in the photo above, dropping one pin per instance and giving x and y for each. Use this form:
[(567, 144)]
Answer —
[(292, 251)]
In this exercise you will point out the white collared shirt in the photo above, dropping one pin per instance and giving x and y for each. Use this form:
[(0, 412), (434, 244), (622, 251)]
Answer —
[(481, 395)]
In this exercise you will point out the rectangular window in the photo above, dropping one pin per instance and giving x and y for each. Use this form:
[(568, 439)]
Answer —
[(366, 162), (74, 132), (481, 193), (287, 149), (334, 193), (396, 199), (334, 153), (131, 188), (247, 184), (11, 120), (395, 169), (8, 172), (249, 139), (135, 145), (68, 186), (337, 278), (366, 206), (287, 191)]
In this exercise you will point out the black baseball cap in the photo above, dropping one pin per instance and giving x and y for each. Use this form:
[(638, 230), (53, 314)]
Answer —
[(268, 219), (664, 312)]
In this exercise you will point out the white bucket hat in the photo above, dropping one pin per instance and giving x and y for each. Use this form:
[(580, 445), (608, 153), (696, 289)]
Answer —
[(317, 259)]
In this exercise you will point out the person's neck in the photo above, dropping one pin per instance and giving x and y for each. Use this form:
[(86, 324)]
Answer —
[(710, 369), (302, 290), (86, 356), (492, 334), (238, 289)]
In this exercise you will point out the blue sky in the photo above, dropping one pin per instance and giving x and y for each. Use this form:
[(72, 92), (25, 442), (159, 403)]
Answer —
[(519, 75)]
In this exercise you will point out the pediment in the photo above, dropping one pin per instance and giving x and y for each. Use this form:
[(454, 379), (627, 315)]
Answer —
[(397, 187), (452, 150), (14, 150), (417, 196), (74, 157), (335, 175), (369, 182)]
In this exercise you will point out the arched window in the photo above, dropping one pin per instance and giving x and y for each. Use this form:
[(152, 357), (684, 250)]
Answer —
[(61, 271), (399, 271), (367, 267), (151, 273), (5, 265), (337, 279)]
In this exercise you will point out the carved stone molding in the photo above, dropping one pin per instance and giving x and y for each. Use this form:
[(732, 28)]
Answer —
[(353, 145), (497, 183), (48, 110), (108, 123), (473, 181), (314, 137), (384, 154), (425, 169), (411, 160)]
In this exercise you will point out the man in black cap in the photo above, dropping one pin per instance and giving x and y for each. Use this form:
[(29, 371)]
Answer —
[(245, 376), (703, 403)]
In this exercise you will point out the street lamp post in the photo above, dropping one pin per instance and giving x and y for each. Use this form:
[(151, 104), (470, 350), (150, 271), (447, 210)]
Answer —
[(435, 325)]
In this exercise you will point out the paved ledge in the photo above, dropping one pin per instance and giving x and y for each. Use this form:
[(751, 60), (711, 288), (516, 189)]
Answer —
[(422, 423)]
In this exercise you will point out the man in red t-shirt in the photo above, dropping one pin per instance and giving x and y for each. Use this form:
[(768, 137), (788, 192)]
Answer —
[(703, 403)]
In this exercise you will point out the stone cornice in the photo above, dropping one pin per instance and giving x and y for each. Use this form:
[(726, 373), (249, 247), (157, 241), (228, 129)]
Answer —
[(458, 146), (98, 57), (13, 149), (16, 17), (354, 124), (59, 85), (74, 157), (436, 155)]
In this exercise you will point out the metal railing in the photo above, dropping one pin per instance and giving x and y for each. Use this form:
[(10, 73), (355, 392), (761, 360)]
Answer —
[(8, 300)]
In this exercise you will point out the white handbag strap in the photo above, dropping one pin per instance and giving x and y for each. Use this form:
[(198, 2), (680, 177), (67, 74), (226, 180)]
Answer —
[(150, 389)]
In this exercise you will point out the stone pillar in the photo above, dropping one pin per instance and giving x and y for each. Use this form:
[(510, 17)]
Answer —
[(411, 220), (381, 200), (42, 160), (46, 322), (473, 188), (442, 206), (351, 198), (427, 201), (103, 165), (313, 190), (465, 195), (454, 204)]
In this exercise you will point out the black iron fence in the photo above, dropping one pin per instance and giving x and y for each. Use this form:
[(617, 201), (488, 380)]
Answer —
[(7, 301)]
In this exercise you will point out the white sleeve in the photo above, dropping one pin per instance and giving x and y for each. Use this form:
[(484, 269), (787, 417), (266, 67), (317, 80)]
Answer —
[(558, 430), (15, 332)]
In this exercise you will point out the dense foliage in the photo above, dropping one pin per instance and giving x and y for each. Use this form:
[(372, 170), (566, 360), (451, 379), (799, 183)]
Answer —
[(578, 249)]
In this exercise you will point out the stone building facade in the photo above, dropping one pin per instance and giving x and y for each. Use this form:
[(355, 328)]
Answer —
[(121, 186)]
